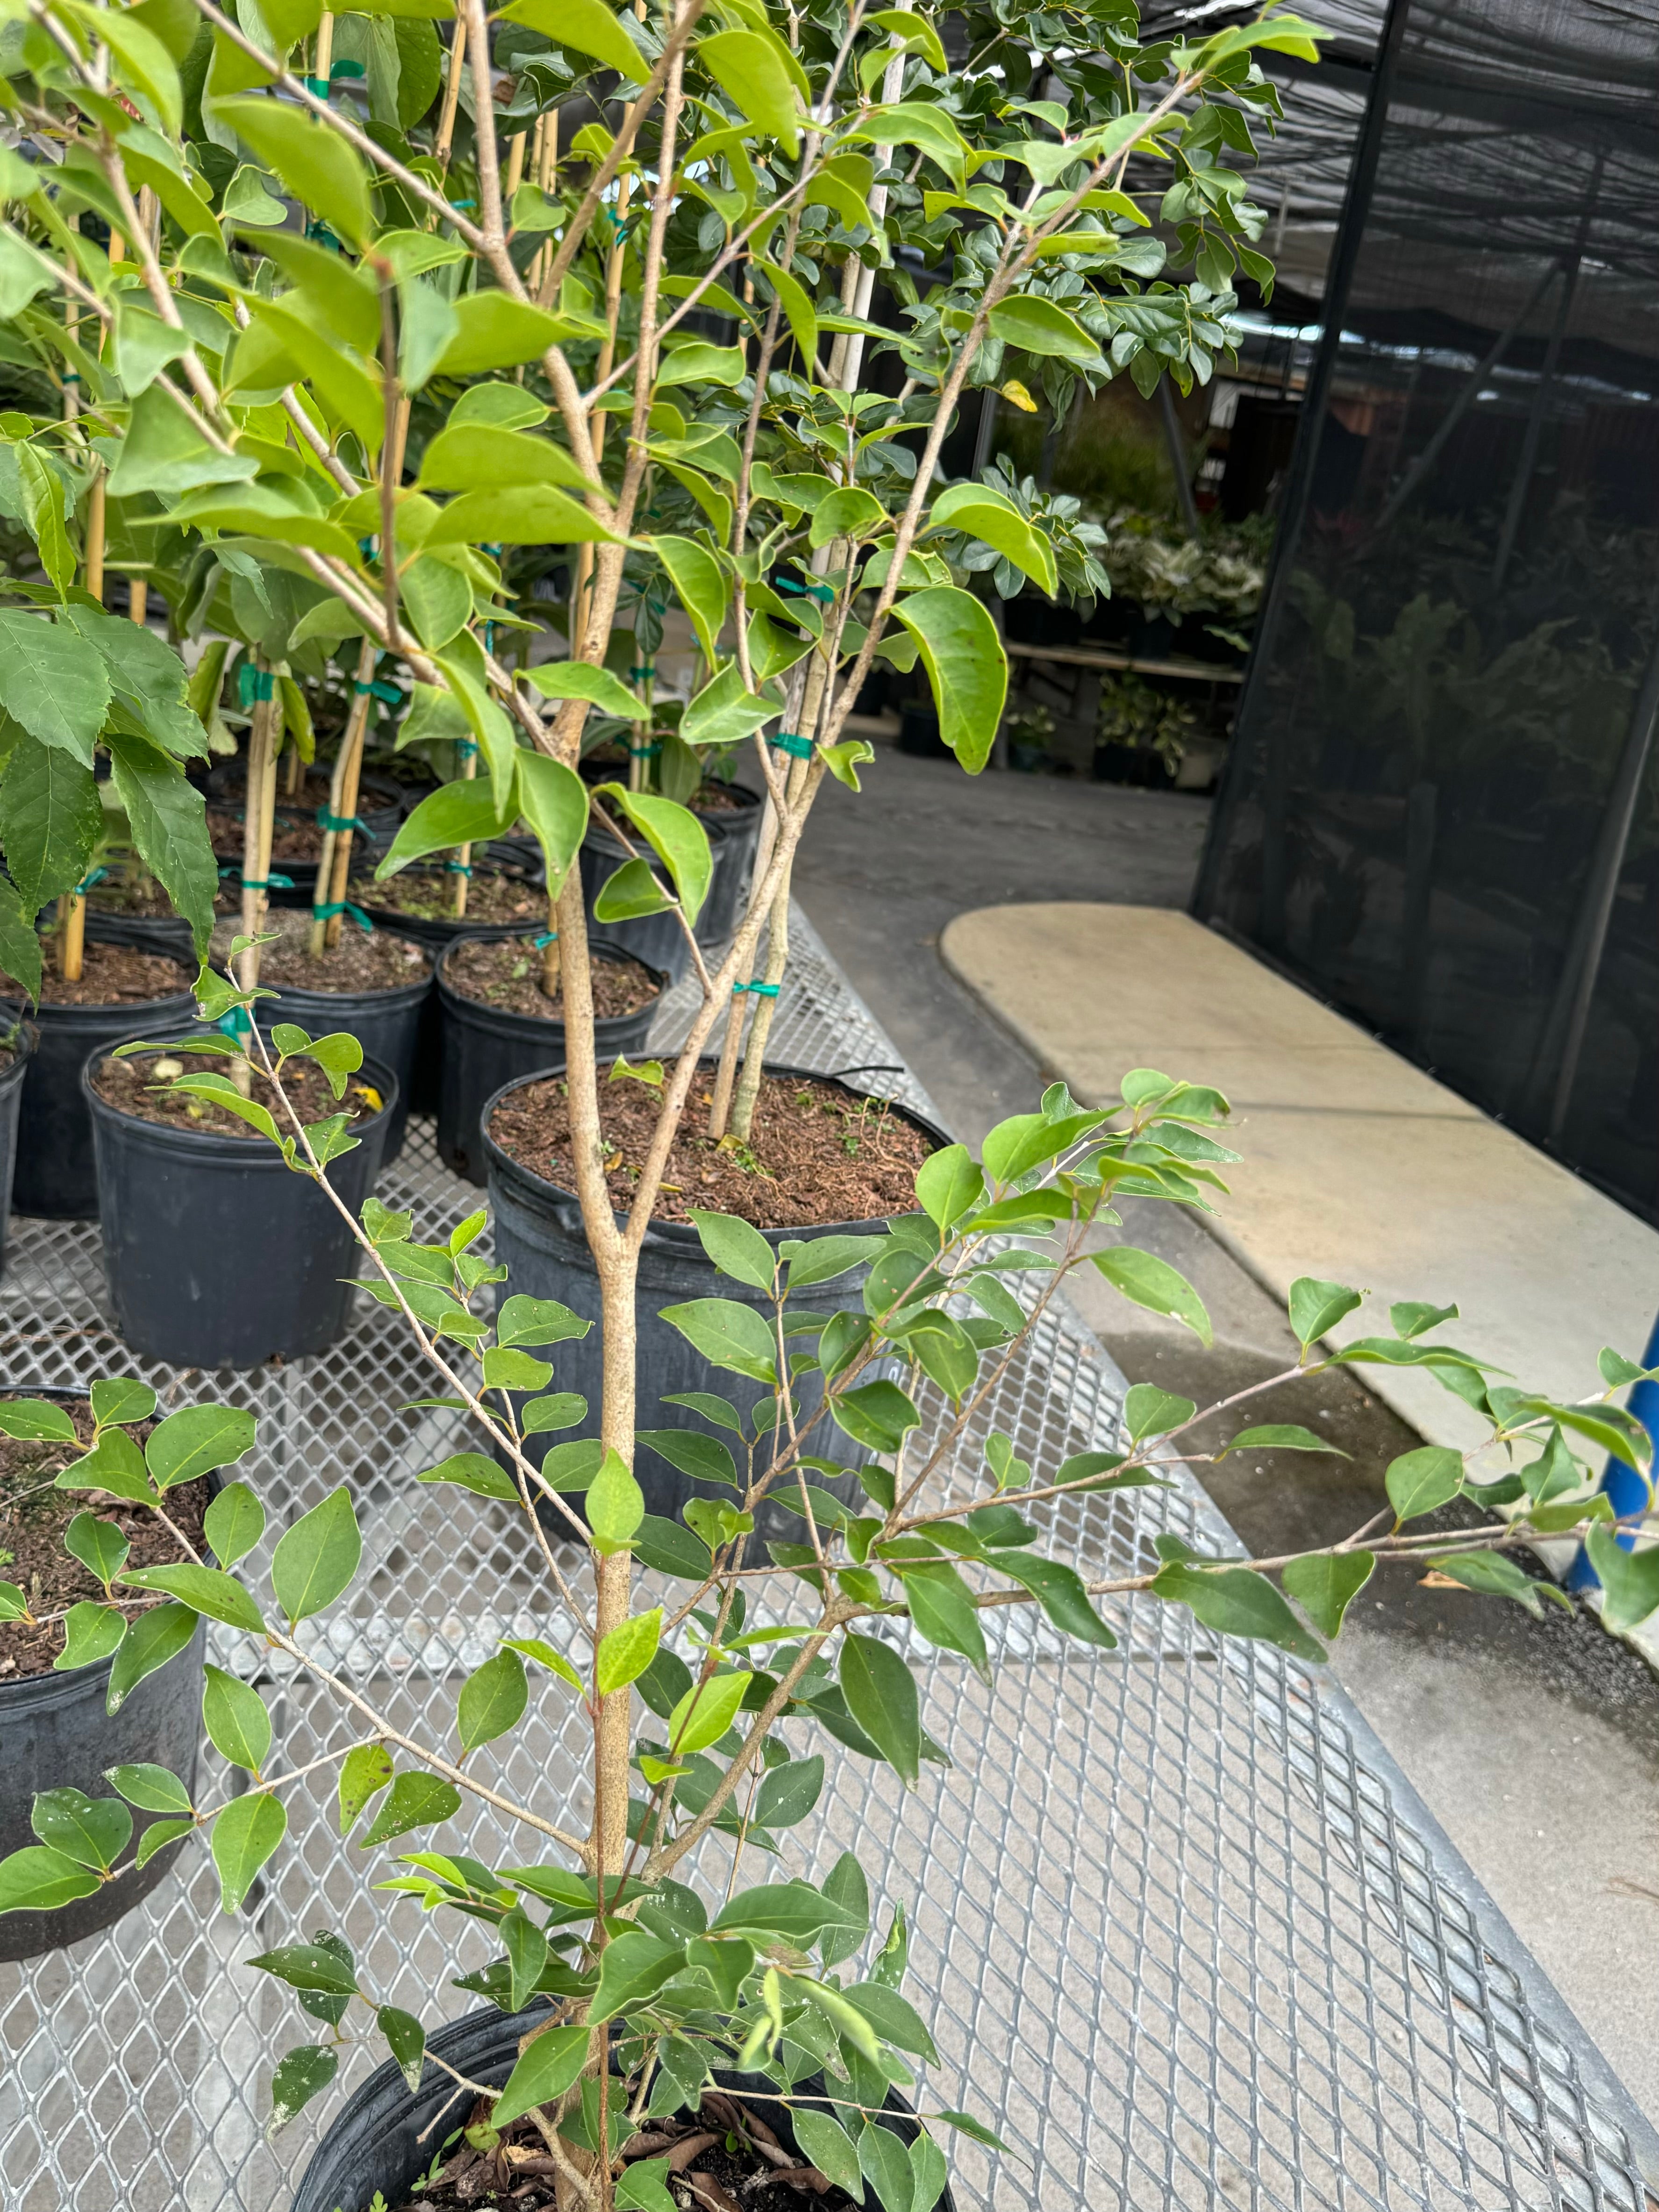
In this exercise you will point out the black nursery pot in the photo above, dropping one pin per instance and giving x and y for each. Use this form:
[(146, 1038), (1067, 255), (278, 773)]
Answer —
[(55, 1176), (12, 1077), (216, 1254), (657, 938), (58, 1736), (375, 2143), (167, 934), (486, 1049), (386, 1024), (539, 1237), (380, 808)]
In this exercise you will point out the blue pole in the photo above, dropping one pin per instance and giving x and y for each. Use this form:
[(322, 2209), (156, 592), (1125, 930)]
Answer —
[(1625, 1489)]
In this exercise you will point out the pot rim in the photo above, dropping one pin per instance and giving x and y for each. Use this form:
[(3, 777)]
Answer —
[(683, 1234), (25, 1041), (387, 993), (210, 1144)]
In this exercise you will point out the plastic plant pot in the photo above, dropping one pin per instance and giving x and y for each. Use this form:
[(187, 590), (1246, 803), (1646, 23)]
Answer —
[(380, 808), (485, 1048), (386, 1024), (12, 1077), (539, 1237), (216, 1254), (657, 938)]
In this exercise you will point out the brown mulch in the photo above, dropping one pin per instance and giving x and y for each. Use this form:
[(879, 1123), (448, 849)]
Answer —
[(111, 975), (128, 1085), (505, 972), (295, 835), (728, 2159), (499, 896), (33, 1515), (815, 1153), (363, 960)]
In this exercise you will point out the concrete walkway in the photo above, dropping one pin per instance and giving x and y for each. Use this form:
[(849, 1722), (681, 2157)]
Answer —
[(1358, 1168)]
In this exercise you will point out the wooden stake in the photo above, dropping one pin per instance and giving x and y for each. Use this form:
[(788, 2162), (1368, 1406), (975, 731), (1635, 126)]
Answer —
[(138, 600), (96, 519), (462, 864), (514, 168), (72, 924), (446, 138), (334, 862)]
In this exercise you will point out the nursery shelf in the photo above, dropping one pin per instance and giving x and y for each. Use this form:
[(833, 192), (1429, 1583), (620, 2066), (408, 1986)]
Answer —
[(1205, 1945)]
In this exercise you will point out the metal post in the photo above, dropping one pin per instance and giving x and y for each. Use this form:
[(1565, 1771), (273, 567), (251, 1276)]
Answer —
[(1178, 461), (1625, 1490)]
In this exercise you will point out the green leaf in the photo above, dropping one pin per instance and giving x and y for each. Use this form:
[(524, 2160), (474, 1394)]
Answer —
[(641, 2187), (677, 838), (505, 1368), (628, 1650), (197, 1440), (1146, 1280), (1419, 1481), (538, 1320), (821, 1259), (527, 1954), (234, 1523), (697, 362), (475, 456), (591, 28), (705, 1459), (205, 1591), (749, 67), (414, 1801), (1414, 1320), (157, 1836), (117, 1400), (364, 1772), (632, 892), (1042, 326), (632, 1967), (949, 1185), (19, 948), (36, 1880), (669, 1549), (700, 581), (553, 2059), (737, 1249), (895, 2020), (315, 1560), (881, 1696), (965, 508), (98, 1544), (474, 1471), (1493, 1575), (576, 679), (93, 1832), (91, 1633), (534, 1647), (140, 61), (517, 514), (796, 303), (793, 1910), (150, 1641), (1630, 1581), (850, 512), (301, 2074), (728, 1336), (492, 1700), (1316, 1307), (829, 2147), (234, 1714), (316, 165), (1237, 1601), (310, 1966), (407, 2040), (1326, 1584), (846, 1884), (788, 1793), (878, 1415), (53, 683), (1150, 1411), (152, 1789), (553, 800), (966, 667), (462, 813), (1279, 1436), (1060, 1590), (36, 1420), (942, 1607), (43, 502), (245, 1835), (616, 1505), (706, 1711), (164, 452)]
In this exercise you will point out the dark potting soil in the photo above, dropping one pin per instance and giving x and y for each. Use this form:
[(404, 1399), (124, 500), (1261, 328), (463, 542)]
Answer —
[(505, 972), (130, 1086), (33, 1515), (294, 834), (608, 764), (314, 787), (815, 1154), (149, 902), (363, 960), (495, 895), (756, 2175), (111, 975)]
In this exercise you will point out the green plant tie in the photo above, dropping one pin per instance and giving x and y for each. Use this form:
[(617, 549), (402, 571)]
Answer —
[(467, 748), (235, 1023), (639, 675), (760, 989), (645, 752), (323, 236), (343, 906), (347, 69), (807, 591), (792, 743), (463, 203), (548, 937), (457, 868), (71, 376), (265, 883), (93, 876), (316, 86), (379, 690), (254, 683), (342, 821)]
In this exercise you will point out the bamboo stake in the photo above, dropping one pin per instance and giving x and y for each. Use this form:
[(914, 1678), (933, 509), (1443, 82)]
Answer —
[(72, 907), (446, 138), (514, 166), (461, 866), (334, 862), (581, 588), (322, 64), (138, 600)]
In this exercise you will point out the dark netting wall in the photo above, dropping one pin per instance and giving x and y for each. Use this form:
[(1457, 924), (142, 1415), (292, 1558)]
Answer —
[(1442, 808)]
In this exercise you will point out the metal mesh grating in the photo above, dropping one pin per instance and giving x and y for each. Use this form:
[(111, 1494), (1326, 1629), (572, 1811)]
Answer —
[(1202, 1945)]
